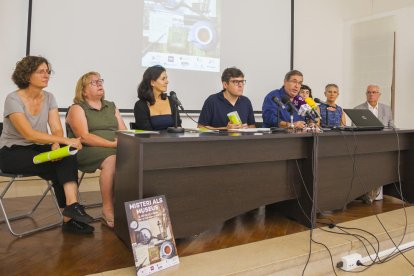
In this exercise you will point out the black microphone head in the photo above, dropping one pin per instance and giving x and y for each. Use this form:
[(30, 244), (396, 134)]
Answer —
[(317, 100), (173, 94), (285, 99), (278, 102)]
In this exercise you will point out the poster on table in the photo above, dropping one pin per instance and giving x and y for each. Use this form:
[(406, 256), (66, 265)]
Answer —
[(151, 235)]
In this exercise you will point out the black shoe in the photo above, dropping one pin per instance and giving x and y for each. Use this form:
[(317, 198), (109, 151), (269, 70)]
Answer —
[(77, 212), (366, 199), (76, 227)]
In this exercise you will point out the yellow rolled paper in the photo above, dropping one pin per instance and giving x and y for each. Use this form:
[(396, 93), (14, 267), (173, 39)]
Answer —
[(54, 154), (234, 118)]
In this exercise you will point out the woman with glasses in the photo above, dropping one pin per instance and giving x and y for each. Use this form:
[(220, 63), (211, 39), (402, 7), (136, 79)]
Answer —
[(95, 120), (28, 113), (331, 113), (155, 110)]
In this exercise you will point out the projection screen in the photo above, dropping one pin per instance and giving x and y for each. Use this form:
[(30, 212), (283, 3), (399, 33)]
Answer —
[(194, 39)]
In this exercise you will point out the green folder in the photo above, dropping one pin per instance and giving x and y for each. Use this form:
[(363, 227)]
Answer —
[(54, 154)]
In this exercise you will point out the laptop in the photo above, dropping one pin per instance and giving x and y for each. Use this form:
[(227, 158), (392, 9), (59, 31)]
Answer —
[(363, 119)]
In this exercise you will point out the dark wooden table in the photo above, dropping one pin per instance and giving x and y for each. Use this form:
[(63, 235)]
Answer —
[(208, 178)]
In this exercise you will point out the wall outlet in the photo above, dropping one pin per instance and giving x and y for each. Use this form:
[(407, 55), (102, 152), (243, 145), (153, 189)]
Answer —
[(349, 262)]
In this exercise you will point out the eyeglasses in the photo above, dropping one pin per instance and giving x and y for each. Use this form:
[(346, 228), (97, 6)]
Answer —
[(96, 82), (238, 82), (44, 72), (372, 92), (294, 82)]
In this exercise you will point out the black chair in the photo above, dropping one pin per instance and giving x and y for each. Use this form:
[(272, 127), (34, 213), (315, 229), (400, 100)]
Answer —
[(13, 178)]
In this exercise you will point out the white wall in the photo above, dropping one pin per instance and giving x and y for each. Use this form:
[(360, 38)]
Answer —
[(13, 28), (320, 45)]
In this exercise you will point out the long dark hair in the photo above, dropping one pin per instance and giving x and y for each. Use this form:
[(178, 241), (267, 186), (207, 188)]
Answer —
[(144, 89)]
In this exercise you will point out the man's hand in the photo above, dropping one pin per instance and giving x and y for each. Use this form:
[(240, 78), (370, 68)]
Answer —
[(235, 126)]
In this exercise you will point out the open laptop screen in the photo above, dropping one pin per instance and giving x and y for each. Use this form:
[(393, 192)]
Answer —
[(364, 119)]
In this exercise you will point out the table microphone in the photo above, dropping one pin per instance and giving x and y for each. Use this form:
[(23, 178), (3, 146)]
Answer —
[(177, 103), (286, 101), (174, 97), (322, 102), (278, 102), (314, 107)]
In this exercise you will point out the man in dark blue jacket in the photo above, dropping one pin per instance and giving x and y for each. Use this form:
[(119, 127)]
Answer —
[(275, 116)]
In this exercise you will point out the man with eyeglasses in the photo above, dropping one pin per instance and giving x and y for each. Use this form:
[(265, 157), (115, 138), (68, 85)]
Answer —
[(275, 116), (381, 111), (215, 109), (384, 114)]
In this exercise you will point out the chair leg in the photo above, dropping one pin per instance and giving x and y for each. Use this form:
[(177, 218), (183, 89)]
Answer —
[(90, 205), (8, 219)]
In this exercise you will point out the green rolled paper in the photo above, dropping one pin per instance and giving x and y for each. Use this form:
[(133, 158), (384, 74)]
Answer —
[(54, 154)]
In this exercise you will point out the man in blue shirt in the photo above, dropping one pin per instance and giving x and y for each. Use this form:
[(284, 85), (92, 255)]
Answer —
[(215, 109), (273, 115)]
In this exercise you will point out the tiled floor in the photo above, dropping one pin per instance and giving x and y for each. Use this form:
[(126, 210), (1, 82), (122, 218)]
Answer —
[(287, 255)]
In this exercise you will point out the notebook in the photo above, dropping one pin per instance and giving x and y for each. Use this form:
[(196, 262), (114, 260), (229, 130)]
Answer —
[(363, 119)]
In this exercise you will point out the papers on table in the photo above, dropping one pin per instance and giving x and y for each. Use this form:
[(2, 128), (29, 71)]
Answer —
[(199, 130), (139, 131), (251, 130)]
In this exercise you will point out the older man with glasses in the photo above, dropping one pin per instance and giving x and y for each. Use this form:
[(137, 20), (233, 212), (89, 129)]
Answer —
[(214, 114), (384, 114), (381, 111), (275, 116)]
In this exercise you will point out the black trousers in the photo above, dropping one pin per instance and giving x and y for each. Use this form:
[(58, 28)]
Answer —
[(19, 160)]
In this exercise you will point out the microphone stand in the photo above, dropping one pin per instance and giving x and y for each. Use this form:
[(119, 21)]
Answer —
[(277, 128), (175, 128)]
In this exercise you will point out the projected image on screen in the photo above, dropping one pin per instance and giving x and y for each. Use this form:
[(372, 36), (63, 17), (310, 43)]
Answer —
[(181, 34)]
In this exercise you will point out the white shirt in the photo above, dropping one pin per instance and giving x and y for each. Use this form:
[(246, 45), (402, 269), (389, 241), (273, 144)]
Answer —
[(374, 109)]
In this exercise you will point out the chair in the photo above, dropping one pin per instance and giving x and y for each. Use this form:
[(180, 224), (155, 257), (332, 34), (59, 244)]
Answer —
[(89, 205), (9, 218)]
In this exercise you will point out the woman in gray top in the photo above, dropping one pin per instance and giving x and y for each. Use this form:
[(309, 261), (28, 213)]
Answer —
[(27, 114)]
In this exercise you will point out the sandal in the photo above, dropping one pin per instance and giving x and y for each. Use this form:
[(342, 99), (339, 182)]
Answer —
[(108, 222)]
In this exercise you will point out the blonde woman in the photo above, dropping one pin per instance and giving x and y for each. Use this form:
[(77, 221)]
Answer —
[(95, 120)]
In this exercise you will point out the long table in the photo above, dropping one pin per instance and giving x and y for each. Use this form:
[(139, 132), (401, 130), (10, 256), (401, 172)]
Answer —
[(208, 178)]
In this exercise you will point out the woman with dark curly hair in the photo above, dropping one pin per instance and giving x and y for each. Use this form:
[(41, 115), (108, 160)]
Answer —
[(154, 110), (28, 112)]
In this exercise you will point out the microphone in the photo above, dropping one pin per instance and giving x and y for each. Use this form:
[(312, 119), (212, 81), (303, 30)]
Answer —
[(286, 101), (304, 109), (173, 96), (278, 102), (322, 102), (314, 107), (177, 102)]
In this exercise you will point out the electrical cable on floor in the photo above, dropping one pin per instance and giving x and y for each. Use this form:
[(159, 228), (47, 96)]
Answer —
[(374, 260)]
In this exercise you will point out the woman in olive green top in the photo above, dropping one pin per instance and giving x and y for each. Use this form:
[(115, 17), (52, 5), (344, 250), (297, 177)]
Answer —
[(95, 121)]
